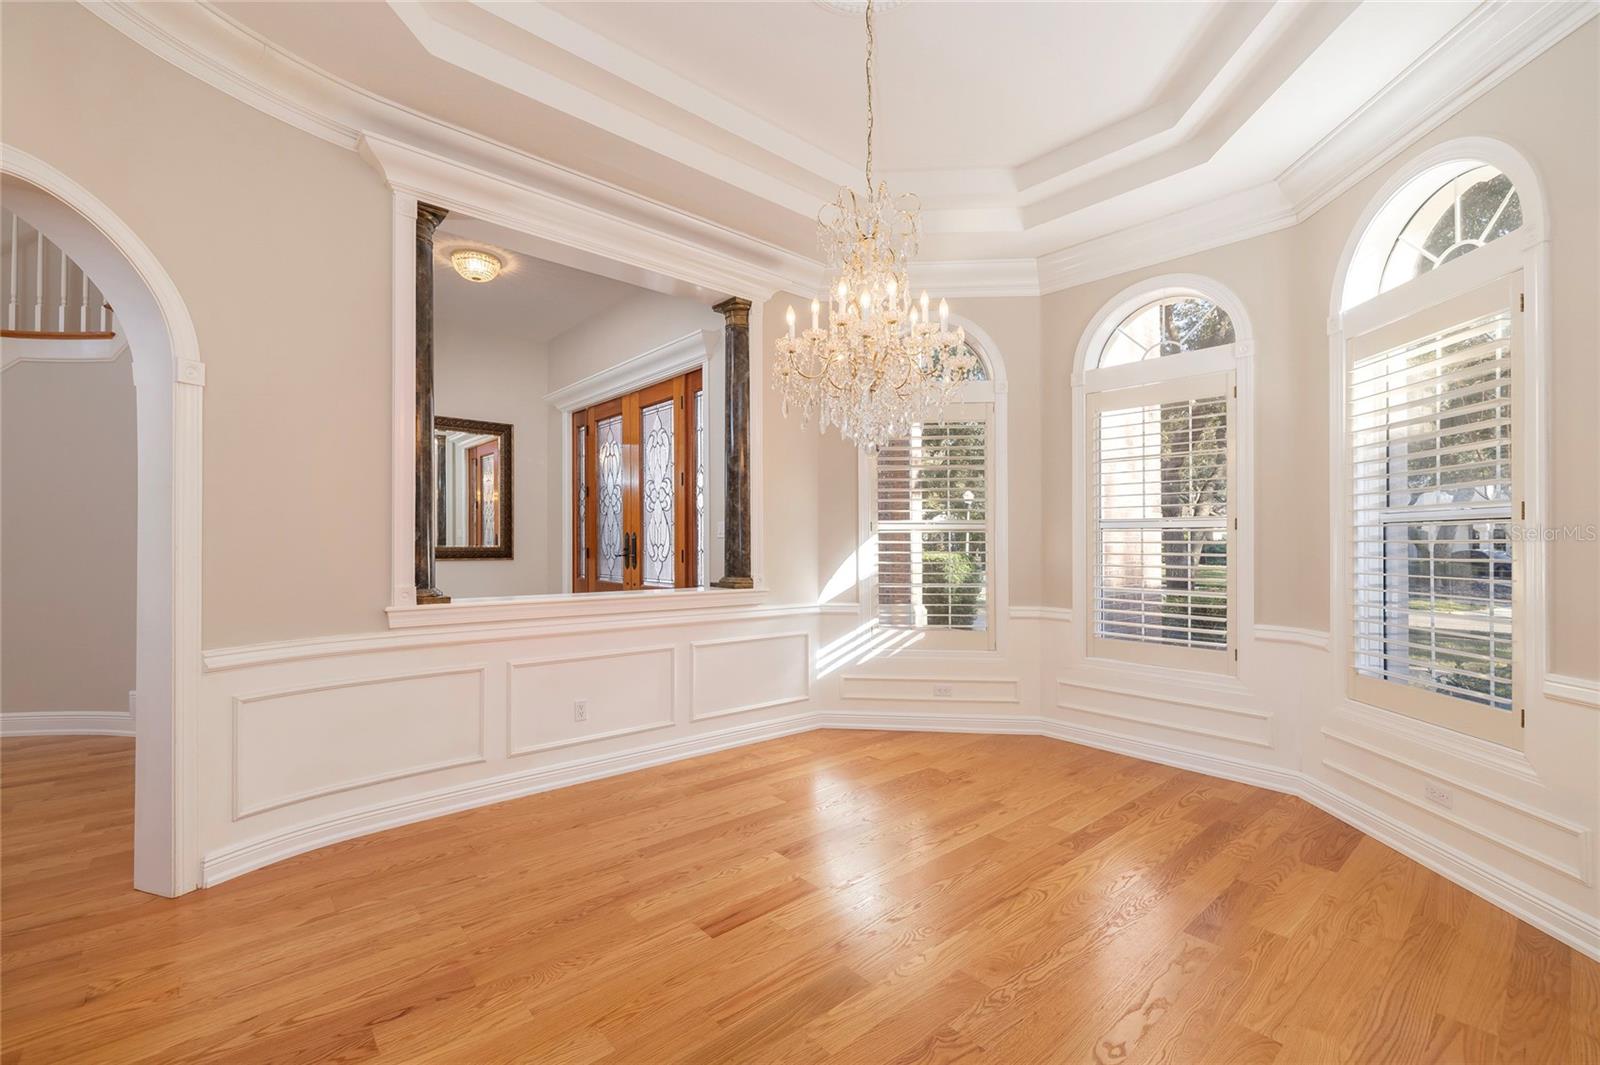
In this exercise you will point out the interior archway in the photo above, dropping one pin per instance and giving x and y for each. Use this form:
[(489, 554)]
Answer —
[(167, 378)]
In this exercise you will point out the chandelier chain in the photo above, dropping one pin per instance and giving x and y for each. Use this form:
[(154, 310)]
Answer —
[(879, 362), (871, 40)]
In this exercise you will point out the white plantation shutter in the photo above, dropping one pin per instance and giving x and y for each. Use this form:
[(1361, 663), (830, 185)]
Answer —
[(1160, 466), (933, 524), (1431, 435)]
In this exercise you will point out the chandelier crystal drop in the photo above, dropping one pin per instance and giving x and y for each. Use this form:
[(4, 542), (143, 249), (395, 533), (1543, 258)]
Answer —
[(878, 364)]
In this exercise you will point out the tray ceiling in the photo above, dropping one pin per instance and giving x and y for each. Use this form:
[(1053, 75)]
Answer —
[(1030, 131)]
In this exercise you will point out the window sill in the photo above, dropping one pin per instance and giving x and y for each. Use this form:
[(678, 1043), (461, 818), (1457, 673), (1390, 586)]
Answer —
[(666, 603)]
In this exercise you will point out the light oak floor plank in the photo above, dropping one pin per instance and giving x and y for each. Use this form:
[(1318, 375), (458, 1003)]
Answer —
[(835, 897)]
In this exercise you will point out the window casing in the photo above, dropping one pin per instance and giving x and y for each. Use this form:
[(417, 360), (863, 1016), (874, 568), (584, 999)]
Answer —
[(1432, 459), (931, 526), (1161, 578), (1160, 446), (1440, 346)]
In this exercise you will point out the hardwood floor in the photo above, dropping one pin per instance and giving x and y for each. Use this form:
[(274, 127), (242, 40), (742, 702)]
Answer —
[(832, 897)]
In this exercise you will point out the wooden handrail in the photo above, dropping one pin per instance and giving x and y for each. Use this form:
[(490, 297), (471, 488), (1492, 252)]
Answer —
[(34, 334)]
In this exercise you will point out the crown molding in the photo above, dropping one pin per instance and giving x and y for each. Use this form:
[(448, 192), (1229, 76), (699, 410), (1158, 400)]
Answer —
[(594, 218), (1483, 50), (674, 357), (1202, 227), (1487, 47), (976, 278)]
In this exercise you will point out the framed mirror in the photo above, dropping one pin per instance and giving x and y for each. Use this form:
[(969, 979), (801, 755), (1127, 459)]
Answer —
[(472, 469)]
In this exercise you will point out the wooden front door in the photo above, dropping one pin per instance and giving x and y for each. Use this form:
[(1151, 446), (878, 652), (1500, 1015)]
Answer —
[(636, 488)]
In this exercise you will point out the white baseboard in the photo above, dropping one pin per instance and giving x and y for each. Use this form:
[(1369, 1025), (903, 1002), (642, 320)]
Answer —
[(66, 723), (239, 858), (1578, 930)]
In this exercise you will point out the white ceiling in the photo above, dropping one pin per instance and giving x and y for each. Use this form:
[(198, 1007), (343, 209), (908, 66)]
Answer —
[(1037, 131), (939, 104)]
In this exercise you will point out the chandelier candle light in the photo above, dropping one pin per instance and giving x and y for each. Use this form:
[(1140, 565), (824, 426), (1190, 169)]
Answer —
[(880, 365)]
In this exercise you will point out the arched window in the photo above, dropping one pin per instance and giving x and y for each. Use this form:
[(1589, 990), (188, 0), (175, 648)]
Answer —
[(1447, 211), (1430, 426), (1158, 402), (933, 521)]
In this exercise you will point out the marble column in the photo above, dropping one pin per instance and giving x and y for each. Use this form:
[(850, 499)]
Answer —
[(736, 498), (428, 219)]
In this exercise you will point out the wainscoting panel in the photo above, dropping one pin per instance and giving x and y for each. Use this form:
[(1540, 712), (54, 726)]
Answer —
[(624, 691), (1115, 708), (366, 732), (931, 691), (744, 673)]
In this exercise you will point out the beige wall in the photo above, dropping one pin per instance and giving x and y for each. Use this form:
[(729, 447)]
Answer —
[(68, 509), (481, 374), (279, 245)]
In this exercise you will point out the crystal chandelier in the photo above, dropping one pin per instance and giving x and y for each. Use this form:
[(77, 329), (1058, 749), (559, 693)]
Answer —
[(880, 364)]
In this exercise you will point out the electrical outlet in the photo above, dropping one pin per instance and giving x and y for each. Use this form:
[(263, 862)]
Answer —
[(943, 691), (580, 710), (1438, 794)]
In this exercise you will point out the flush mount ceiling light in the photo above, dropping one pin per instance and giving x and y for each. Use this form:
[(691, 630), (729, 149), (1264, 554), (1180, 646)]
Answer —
[(476, 265), (878, 364)]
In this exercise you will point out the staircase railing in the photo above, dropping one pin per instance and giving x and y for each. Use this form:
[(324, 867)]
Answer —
[(48, 296)]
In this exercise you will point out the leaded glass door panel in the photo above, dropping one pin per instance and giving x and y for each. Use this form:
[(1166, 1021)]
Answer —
[(634, 498)]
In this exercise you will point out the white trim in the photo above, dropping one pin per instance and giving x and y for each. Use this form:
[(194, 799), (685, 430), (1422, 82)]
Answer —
[(1014, 684), (1523, 255), (654, 602), (1315, 639), (1205, 683), (727, 608), (1583, 874), (976, 278), (1240, 216), (1383, 128), (1042, 613), (169, 387), (1580, 691), (1087, 383), (602, 227), (15, 351), (688, 352), (66, 723)]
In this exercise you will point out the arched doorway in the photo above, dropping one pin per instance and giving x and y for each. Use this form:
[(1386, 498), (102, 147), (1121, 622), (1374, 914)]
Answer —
[(168, 379)]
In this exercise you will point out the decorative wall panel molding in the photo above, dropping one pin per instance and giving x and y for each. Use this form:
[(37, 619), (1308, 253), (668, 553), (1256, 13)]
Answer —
[(635, 690), (744, 673), (1570, 871), (931, 690), (368, 731), (1166, 723)]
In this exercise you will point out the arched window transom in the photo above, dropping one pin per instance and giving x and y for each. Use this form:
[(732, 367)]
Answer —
[(1473, 208), (1168, 326)]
